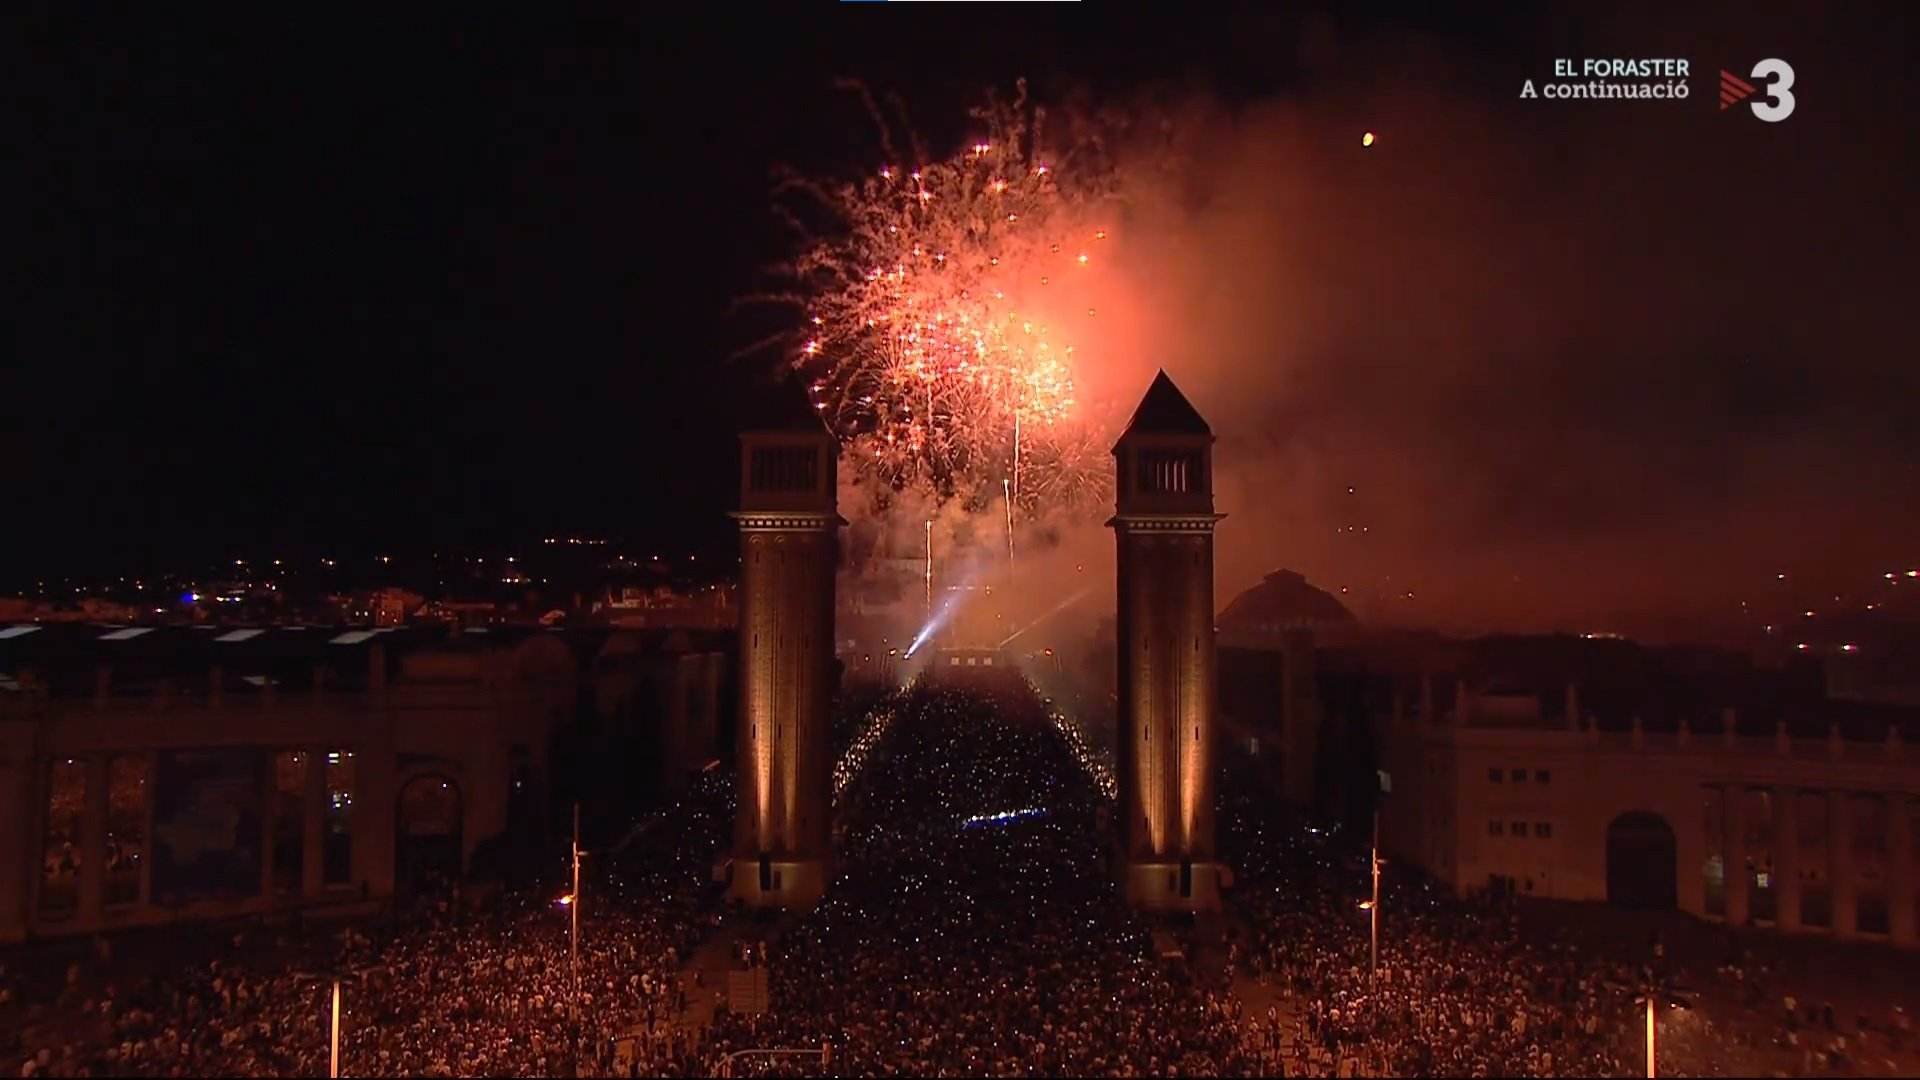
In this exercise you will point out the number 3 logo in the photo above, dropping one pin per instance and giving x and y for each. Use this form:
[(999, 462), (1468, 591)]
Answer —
[(1779, 104)]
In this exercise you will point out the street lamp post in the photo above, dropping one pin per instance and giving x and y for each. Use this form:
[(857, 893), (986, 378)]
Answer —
[(574, 909), (1650, 1037), (1374, 947), (333, 1063), (1372, 906), (1657, 993), (333, 981)]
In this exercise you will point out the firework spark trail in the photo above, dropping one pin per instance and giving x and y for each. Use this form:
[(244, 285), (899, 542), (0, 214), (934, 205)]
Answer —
[(1050, 613), (940, 313), (1007, 492)]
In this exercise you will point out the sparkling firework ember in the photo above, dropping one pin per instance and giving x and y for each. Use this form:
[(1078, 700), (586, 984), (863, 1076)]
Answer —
[(938, 341)]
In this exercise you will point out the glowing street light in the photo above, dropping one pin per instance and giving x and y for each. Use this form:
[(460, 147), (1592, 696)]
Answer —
[(1372, 906), (1651, 1071), (1653, 994), (333, 1063), (572, 902)]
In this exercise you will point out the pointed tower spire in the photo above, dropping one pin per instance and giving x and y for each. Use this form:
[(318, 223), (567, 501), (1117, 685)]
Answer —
[(1166, 411), (1165, 457), (1163, 525), (789, 534)]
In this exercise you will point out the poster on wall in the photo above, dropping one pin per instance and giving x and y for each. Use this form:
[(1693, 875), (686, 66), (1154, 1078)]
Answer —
[(206, 825)]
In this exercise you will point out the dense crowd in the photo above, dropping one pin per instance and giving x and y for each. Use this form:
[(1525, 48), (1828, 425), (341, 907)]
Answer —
[(1469, 988), (456, 991), (1458, 992), (976, 929)]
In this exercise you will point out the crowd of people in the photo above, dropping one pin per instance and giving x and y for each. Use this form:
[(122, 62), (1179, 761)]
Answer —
[(1457, 992), (1467, 987), (974, 927), (975, 930), (456, 991)]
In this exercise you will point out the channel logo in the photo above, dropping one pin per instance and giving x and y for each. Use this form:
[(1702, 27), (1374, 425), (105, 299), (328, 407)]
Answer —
[(1733, 89), (1775, 76)]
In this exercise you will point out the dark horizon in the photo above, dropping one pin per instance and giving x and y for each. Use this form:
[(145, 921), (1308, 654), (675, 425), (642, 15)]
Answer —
[(469, 287)]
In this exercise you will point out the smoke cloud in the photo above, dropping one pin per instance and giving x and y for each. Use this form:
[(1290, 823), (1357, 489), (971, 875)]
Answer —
[(1514, 365)]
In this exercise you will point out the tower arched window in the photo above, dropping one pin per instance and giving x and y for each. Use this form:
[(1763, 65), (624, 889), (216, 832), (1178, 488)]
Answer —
[(783, 469), (1168, 472)]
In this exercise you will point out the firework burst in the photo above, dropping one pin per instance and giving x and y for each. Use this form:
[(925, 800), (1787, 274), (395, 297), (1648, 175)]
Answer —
[(941, 310)]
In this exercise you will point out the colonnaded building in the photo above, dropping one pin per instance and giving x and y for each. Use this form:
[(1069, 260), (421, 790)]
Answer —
[(1781, 795), (160, 774)]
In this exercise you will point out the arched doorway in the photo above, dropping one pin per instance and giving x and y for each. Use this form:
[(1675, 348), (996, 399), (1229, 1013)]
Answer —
[(427, 846), (1642, 862)]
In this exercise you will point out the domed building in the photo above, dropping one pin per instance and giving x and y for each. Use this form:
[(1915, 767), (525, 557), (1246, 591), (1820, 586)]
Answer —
[(1268, 688), (1283, 602)]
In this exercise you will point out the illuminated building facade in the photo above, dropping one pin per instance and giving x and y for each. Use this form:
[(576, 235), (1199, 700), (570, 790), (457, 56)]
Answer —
[(789, 548), (1600, 770), (159, 775), (151, 776), (1163, 526), (1813, 827)]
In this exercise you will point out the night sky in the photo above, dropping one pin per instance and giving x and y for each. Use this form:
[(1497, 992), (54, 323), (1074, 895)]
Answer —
[(402, 282)]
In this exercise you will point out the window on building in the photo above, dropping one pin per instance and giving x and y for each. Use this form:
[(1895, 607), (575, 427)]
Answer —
[(1496, 775), (1713, 870), (1495, 827), (1542, 830), (1171, 472), (1519, 776), (337, 855), (1542, 776), (1871, 915), (1868, 827), (60, 855), (784, 468), (1519, 830), (289, 820), (127, 789)]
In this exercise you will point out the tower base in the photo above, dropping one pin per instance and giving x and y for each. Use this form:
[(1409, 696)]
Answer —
[(794, 884), (1157, 886)]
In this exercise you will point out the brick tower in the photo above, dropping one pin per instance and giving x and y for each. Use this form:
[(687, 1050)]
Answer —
[(1163, 526), (789, 547)]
